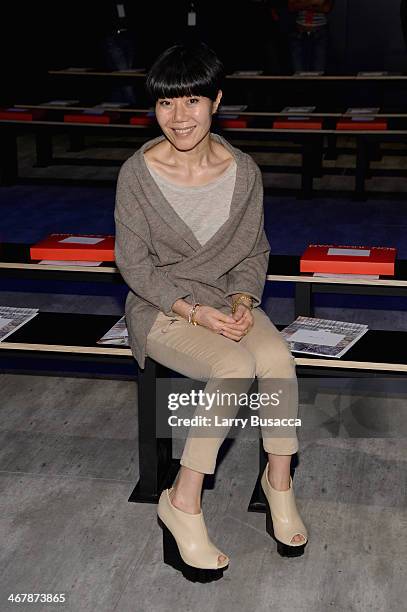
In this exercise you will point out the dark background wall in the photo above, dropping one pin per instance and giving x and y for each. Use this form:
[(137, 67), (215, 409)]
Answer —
[(365, 34), (374, 36)]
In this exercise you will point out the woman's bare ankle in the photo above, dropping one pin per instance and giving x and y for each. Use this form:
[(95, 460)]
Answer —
[(279, 472), (187, 489), (184, 502)]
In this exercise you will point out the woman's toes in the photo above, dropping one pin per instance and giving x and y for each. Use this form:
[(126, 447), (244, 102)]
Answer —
[(221, 559), (298, 538)]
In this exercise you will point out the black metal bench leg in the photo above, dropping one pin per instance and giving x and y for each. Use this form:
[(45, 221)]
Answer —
[(331, 151), (43, 145), (8, 157), (362, 169), (256, 503), (308, 168), (157, 468), (303, 300), (318, 157)]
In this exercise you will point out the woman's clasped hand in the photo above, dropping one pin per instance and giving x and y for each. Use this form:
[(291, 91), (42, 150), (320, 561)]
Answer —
[(233, 326)]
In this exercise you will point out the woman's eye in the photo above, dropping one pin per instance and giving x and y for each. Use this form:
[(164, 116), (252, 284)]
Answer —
[(164, 102), (193, 100)]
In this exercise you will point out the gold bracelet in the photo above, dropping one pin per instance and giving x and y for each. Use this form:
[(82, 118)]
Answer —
[(191, 316), (247, 299)]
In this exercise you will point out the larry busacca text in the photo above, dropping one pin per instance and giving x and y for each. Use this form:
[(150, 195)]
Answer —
[(218, 421)]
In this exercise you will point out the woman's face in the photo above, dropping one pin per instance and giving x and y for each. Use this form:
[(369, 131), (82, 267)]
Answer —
[(186, 121)]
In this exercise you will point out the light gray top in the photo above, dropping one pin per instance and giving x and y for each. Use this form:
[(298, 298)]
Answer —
[(204, 208), (162, 261)]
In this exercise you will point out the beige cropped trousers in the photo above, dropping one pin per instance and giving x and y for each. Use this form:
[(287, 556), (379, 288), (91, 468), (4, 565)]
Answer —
[(229, 366)]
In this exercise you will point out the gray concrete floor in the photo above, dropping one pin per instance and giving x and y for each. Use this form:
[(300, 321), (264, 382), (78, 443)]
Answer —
[(68, 462)]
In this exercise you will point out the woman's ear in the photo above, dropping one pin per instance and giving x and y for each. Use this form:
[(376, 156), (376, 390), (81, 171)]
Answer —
[(217, 101)]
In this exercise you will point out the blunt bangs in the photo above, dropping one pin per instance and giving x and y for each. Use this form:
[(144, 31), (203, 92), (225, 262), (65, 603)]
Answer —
[(185, 71)]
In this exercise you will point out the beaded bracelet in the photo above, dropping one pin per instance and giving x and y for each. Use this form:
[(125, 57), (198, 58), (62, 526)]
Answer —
[(192, 314), (247, 299)]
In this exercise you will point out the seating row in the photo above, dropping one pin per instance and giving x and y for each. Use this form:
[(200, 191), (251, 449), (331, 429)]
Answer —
[(75, 336), (15, 262), (306, 120), (311, 143)]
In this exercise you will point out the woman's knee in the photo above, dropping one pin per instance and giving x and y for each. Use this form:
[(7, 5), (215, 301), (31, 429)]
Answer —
[(275, 362), (235, 364)]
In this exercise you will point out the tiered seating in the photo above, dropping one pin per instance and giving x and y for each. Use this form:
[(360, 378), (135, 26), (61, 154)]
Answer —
[(256, 125), (75, 336)]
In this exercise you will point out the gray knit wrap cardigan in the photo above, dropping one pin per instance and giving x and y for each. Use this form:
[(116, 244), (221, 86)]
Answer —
[(161, 260)]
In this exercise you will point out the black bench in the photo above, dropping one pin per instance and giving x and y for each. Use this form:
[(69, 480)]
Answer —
[(74, 337), (310, 141), (15, 262)]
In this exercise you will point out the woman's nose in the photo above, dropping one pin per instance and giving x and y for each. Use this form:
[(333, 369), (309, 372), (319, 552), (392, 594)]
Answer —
[(179, 111)]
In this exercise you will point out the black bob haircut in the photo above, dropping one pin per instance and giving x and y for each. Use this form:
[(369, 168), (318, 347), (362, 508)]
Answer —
[(185, 70)]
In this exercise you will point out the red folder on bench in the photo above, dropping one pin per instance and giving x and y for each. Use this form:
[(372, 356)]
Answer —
[(91, 117), (74, 247), (296, 124), (338, 259), (22, 114), (361, 125), (142, 120), (232, 122)]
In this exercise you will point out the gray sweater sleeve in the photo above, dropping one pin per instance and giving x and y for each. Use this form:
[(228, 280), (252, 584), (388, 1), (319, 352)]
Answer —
[(250, 275), (133, 257)]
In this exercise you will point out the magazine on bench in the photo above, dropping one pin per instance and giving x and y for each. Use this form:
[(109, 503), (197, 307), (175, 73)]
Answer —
[(362, 114), (232, 108), (247, 72), (373, 73), (298, 110), (12, 319), (59, 103), (117, 335), (322, 337), (308, 73)]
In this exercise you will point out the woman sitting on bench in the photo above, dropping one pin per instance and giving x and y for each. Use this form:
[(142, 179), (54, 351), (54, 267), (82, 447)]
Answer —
[(191, 245)]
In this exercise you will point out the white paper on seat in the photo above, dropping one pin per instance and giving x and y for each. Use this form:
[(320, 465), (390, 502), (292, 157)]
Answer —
[(330, 275), (52, 262), (298, 109), (232, 108), (81, 240), (112, 105), (61, 102), (4, 322), (350, 252), (324, 338)]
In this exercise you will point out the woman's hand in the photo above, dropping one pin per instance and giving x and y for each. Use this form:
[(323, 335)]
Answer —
[(221, 323), (231, 326), (243, 316)]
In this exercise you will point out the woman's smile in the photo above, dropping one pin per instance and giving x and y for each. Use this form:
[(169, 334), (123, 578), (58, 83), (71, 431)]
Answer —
[(183, 131)]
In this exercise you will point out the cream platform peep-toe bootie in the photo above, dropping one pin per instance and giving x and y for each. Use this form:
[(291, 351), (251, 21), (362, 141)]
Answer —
[(283, 521), (186, 543)]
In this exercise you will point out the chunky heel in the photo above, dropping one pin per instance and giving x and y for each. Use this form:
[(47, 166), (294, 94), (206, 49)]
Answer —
[(282, 519), (172, 557)]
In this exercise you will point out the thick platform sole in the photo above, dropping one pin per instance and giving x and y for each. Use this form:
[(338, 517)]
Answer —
[(173, 558), (285, 550)]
